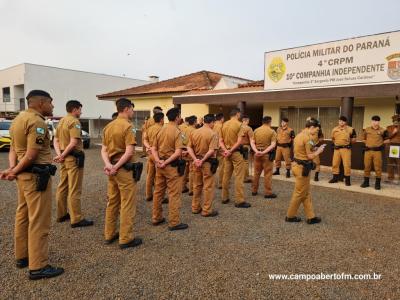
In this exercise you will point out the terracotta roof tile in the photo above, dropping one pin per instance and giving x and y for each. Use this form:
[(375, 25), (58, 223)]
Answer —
[(203, 80)]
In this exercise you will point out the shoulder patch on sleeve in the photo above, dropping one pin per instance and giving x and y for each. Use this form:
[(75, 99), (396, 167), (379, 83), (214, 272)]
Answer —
[(78, 126), (40, 130)]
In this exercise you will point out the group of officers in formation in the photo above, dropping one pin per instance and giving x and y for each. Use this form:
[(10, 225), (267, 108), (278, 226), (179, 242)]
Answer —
[(194, 156)]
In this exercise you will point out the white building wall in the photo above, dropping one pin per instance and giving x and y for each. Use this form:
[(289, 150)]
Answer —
[(11, 77), (64, 85)]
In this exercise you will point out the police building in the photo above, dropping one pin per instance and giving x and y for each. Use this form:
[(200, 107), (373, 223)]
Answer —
[(357, 78)]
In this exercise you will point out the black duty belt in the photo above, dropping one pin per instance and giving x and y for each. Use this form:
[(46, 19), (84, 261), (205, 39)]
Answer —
[(380, 148), (284, 145), (336, 147), (308, 165)]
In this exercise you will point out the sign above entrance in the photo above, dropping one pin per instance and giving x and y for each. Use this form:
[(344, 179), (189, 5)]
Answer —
[(364, 60)]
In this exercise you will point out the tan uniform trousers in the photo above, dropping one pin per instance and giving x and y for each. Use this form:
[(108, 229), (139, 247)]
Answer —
[(32, 221), (188, 176), (393, 167), (301, 194), (340, 155), (262, 163), (283, 153), (167, 179), (233, 164), (246, 163), (317, 162), (220, 170), (150, 177), (203, 182), (121, 192), (373, 158), (69, 190)]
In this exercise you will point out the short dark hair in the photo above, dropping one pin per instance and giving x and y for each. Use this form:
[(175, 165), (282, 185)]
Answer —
[(114, 115), (285, 120), (209, 118), (312, 122), (191, 120), (71, 104), (157, 109), (343, 118), (266, 120), (244, 116), (35, 93), (234, 112), (376, 118), (123, 103), (173, 113), (219, 116), (158, 117)]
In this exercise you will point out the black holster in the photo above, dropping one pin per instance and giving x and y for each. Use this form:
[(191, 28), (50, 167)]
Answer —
[(214, 164), (43, 173), (80, 157), (272, 154), (308, 165), (244, 152), (136, 168), (180, 164)]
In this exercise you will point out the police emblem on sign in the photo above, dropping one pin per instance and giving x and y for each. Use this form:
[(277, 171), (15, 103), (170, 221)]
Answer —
[(393, 70), (276, 69)]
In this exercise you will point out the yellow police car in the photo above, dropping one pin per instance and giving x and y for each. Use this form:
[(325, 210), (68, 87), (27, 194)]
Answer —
[(5, 139)]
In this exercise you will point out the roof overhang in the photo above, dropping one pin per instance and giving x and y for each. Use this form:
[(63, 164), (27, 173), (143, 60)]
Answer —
[(261, 96)]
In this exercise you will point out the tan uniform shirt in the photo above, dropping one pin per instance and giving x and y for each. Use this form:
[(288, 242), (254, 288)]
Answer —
[(264, 136), (29, 131), (231, 131), (341, 136), (284, 135), (152, 132), (69, 127), (396, 138), (203, 140), (167, 140), (117, 135), (218, 128), (247, 134), (374, 137), (303, 145), (186, 132)]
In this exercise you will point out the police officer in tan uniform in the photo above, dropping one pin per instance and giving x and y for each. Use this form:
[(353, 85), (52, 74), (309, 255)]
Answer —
[(393, 164), (303, 156), (148, 141), (248, 135), (374, 138), (230, 142), (263, 144), (147, 124), (318, 138), (167, 150), (202, 147), (219, 121), (343, 136), (117, 152), (69, 148), (30, 164), (285, 136), (191, 123)]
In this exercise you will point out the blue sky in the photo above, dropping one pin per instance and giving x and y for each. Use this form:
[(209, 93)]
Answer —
[(174, 37)]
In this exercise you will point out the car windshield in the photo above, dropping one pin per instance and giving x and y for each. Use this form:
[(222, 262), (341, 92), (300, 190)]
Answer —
[(5, 125)]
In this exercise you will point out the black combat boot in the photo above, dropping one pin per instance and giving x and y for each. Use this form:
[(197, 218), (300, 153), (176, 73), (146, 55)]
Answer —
[(334, 179), (365, 183), (377, 183), (316, 176), (287, 173), (276, 172), (347, 180)]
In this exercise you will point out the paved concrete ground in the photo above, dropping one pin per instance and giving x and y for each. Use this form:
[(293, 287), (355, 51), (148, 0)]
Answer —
[(230, 256)]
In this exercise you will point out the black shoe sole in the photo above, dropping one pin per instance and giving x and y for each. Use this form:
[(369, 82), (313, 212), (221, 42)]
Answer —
[(63, 219), (112, 240), (77, 225), (226, 201), (132, 244), (175, 228), (22, 263), (293, 220), (37, 277), (162, 221)]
